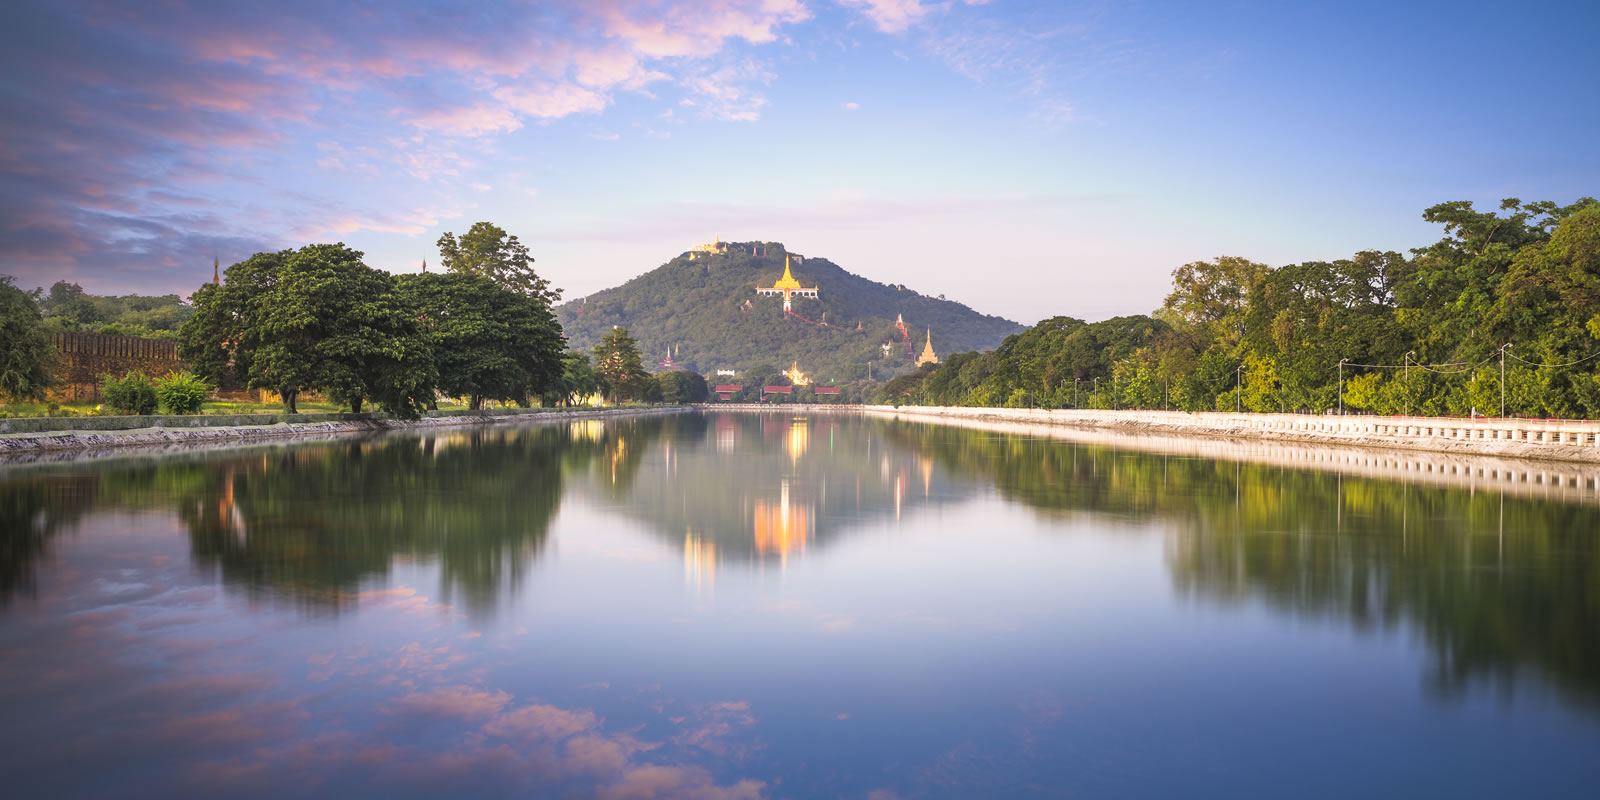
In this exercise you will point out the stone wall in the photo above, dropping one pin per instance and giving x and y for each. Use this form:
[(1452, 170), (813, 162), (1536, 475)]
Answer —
[(1568, 440), (84, 357)]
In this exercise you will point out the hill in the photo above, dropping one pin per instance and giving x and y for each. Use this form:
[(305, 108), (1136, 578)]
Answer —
[(705, 307)]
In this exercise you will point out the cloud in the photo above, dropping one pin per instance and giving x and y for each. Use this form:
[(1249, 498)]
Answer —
[(890, 16), (852, 106), (540, 722), (131, 136), (453, 701)]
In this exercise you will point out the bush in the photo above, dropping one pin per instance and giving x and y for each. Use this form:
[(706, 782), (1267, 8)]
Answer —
[(130, 394), (182, 393)]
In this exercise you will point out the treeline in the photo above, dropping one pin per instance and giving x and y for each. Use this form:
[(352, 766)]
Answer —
[(1513, 292), (66, 307), (319, 319)]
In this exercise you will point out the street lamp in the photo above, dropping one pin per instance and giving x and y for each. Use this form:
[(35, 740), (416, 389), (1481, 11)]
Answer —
[(1238, 389), (1410, 354), (1503, 349), (1341, 385)]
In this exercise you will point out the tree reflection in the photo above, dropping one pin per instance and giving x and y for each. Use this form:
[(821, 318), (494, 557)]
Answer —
[(1499, 587), (32, 512)]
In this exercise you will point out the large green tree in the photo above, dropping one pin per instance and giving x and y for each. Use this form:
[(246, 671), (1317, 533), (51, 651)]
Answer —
[(487, 250), (619, 368), (488, 342), (27, 360), (316, 318)]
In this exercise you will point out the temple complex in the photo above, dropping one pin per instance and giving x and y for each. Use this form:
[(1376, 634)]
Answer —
[(788, 287), (715, 247), (928, 356), (795, 376)]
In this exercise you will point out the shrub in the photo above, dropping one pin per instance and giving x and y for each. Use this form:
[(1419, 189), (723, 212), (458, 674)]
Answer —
[(130, 394), (182, 393)]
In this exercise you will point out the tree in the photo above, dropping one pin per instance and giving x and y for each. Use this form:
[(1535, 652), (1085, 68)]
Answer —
[(69, 305), (27, 361), (683, 386), (220, 340), (1212, 295), (578, 381), (487, 250), (488, 343), (330, 322), (619, 368)]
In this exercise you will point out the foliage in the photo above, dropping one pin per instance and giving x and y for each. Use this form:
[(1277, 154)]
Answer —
[(706, 310), (67, 307), (619, 371), (683, 386), (487, 251), (182, 393), (487, 342), (132, 393), (316, 318), (1416, 335), (27, 360)]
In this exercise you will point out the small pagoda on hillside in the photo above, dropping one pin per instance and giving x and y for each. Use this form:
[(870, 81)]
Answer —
[(788, 287), (928, 356)]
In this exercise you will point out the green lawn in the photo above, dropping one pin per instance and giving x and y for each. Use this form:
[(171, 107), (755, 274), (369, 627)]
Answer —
[(20, 409)]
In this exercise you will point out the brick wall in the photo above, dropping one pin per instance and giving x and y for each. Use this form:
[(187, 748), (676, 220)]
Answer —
[(84, 357)]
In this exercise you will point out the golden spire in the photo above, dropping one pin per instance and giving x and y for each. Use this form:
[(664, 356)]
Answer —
[(216, 270), (787, 281)]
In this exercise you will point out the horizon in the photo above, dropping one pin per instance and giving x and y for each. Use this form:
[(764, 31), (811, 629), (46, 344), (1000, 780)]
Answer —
[(966, 149)]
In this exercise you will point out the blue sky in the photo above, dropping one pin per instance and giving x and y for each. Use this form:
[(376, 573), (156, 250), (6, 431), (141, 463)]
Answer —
[(1027, 158)]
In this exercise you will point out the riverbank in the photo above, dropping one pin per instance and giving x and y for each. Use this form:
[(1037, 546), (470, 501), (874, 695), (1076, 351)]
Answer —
[(115, 432), (1557, 440)]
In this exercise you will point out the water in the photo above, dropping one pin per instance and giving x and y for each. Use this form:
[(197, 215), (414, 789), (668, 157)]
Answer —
[(733, 606)]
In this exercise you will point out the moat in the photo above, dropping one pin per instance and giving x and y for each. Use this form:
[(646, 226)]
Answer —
[(733, 605)]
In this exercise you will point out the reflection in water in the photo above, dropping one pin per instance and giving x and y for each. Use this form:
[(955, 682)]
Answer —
[(223, 622), (783, 527), (1500, 586), (699, 562)]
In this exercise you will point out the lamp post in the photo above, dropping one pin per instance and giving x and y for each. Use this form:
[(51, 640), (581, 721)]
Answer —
[(1238, 389), (1410, 354), (1097, 387), (1341, 385), (1075, 392), (1503, 349)]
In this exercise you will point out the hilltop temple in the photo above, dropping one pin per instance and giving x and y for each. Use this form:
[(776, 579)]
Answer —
[(928, 356), (715, 247), (788, 287)]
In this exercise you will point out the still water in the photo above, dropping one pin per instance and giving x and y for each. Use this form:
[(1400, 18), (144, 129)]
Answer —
[(743, 605)]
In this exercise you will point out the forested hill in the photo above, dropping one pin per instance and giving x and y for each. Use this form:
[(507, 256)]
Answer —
[(707, 309)]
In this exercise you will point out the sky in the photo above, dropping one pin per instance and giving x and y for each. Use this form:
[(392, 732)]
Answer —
[(1029, 159)]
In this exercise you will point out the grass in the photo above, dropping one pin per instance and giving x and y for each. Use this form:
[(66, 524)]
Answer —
[(214, 407)]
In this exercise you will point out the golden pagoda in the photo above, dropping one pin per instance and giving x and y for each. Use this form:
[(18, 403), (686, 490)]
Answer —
[(795, 376), (928, 356), (708, 250), (787, 286)]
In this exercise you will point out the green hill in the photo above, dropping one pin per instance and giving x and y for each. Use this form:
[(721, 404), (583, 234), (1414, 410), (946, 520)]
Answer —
[(707, 310)]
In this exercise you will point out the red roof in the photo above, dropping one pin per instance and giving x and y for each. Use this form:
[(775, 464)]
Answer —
[(826, 390), (778, 389), (728, 387)]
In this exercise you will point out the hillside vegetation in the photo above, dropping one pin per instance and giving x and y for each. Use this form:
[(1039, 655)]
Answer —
[(707, 310), (1513, 293)]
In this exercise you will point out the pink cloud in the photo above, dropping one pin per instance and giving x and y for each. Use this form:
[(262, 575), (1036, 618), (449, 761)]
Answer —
[(890, 16)]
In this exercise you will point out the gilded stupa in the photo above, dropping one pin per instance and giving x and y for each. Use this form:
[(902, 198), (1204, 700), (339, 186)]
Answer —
[(928, 356), (787, 286)]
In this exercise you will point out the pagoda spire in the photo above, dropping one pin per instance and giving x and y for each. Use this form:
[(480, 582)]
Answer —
[(424, 266), (216, 271)]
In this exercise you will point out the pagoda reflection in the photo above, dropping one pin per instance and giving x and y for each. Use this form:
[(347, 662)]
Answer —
[(783, 527)]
